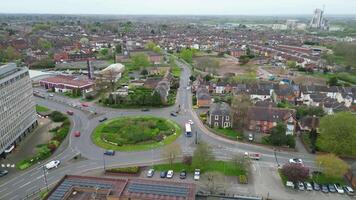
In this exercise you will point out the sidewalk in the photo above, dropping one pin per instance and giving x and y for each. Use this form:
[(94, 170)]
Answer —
[(299, 146)]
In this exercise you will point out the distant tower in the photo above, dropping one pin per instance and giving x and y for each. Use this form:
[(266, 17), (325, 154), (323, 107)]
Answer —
[(318, 21), (90, 69)]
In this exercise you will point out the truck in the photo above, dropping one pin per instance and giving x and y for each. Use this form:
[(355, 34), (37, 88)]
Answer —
[(253, 156), (188, 130)]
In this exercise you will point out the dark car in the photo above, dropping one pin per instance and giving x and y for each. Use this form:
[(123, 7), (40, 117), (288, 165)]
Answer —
[(173, 114), (163, 174), (324, 188), (183, 174), (3, 173), (109, 152), (331, 188), (103, 119), (145, 109), (316, 186)]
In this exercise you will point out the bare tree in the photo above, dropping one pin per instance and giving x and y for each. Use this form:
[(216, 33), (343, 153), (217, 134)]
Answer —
[(239, 107), (171, 152), (214, 182), (239, 161)]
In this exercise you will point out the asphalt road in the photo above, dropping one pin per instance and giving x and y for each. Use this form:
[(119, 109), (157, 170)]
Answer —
[(17, 186)]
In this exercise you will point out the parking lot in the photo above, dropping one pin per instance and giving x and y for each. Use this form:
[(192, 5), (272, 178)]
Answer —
[(156, 175)]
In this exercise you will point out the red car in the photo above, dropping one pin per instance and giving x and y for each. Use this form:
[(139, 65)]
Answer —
[(85, 104), (76, 133), (69, 112)]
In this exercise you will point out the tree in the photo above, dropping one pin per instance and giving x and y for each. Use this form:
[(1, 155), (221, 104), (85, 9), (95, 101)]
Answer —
[(214, 182), (43, 64), (244, 59), (171, 152), (332, 165), (333, 81), (140, 60), (207, 64), (291, 64), (192, 78), (278, 136), (150, 45), (144, 72), (84, 41), (240, 162), (202, 156), (118, 49), (44, 44), (338, 134), (239, 107), (303, 111), (11, 54), (295, 172), (187, 55)]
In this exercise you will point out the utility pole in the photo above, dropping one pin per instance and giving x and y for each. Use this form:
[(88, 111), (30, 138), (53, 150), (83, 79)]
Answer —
[(104, 162), (275, 155), (196, 137), (45, 176)]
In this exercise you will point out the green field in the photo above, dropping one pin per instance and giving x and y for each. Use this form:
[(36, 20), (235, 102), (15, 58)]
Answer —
[(229, 133), (135, 133), (42, 108)]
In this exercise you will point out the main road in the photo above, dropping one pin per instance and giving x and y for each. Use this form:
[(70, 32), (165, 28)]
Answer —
[(20, 184)]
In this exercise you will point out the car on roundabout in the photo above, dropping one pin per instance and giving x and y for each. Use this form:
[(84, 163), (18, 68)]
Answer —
[(52, 164)]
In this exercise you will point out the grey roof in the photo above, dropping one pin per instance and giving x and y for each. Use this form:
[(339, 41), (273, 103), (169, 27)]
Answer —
[(219, 109)]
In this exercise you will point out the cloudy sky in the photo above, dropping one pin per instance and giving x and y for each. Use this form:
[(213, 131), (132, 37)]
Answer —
[(180, 7)]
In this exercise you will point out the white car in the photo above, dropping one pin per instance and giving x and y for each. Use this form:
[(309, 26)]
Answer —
[(308, 186), (190, 122), (169, 174), (290, 184), (51, 95), (150, 173), (296, 161), (339, 189), (250, 137), (197, 174), (53, 164)]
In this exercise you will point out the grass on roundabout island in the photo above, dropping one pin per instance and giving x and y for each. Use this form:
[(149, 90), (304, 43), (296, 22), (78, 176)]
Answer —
[(98, 140)]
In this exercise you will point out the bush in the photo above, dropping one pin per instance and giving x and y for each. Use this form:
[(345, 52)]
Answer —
[(243, 179), (53, 145), (43, 153), (57, 116), (128, 170)]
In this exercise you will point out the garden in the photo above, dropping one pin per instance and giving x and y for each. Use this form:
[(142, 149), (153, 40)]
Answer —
[(44, 151), (135, 133)]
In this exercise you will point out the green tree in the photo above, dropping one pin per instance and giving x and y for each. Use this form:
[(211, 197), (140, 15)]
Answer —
[(338, 134), (11, 54), (303, 111), (44, 44), (202, 156), (278, 136), (84, 41), (333, 81), (244, 59), (140, 60), (291, 64), (187, 55), (332, 165), (150, 45), (192, 78), (118, 49)]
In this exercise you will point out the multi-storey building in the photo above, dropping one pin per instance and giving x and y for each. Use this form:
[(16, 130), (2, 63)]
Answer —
[(17, 107)]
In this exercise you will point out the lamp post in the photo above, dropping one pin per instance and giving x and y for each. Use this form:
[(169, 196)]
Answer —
[(196, 137), (104, 162), (275, 155), (45, 176)]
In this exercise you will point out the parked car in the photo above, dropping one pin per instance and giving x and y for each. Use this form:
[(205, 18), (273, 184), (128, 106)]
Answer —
[(301, 186), (349, 191), (103, 119), (250, 137), (69, 112), (183, 174), (163, 174), (76, 133), (316, 186), (109, 152), (170, 174), (331, 188), (339, 188), (324, 188), (85, 104), (296, 161), (3, 172), (290, 184), (173, 114), (150, 173), (145, 109), (197, 174), (51, 95), (308, 186), (53, 164)]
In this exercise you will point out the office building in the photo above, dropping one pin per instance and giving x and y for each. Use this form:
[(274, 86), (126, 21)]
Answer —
[(318, 21), (17, 107)]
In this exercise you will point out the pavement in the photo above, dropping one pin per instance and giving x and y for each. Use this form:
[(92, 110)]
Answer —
[(20, 184)]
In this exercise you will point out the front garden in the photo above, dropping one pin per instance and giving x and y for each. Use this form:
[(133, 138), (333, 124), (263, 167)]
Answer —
[(135, 133)]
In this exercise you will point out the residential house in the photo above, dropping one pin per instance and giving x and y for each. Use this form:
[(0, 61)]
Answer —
[(219, 115), (308, 123), (203, 97), (263, 119)]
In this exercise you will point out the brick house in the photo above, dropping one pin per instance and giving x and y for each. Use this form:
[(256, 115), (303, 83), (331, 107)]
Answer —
[(263, 119), (219, 115)]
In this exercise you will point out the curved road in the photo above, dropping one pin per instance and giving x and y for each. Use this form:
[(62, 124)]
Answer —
[(18, 185)]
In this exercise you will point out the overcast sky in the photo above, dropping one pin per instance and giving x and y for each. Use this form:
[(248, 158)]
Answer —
[(180, 7)]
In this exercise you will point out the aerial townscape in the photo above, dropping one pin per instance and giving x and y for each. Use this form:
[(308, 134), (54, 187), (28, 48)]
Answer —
[(177, 100)]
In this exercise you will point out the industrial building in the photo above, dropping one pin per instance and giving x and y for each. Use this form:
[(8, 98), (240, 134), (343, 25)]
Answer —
[(17, 107)]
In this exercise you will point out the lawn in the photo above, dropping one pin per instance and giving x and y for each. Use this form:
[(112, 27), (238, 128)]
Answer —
[(42, 109), (135, 133), (176, 71), (229, 133), (323, 179), (224, 167)]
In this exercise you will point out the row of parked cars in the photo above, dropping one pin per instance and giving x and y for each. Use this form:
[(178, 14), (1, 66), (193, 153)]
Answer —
[(326, 188), (170, 173)]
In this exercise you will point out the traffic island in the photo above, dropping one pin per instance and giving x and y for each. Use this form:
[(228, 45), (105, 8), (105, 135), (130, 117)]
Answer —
[(135, 133)]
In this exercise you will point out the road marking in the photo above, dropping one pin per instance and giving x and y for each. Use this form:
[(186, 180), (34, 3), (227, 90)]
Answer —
[(14, 197), (31, 189)]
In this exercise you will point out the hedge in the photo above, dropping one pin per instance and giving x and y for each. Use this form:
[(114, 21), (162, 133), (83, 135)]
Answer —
[(128, 170)]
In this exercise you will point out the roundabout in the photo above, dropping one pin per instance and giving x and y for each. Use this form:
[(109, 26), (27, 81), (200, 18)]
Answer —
[(135, 133)]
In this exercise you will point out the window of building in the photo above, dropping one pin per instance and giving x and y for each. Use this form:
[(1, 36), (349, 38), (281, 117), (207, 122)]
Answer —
[(216, 117)]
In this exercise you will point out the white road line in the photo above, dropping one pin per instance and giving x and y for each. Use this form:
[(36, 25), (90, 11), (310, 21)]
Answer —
[(25, 184), (31, 189), (14, 197)]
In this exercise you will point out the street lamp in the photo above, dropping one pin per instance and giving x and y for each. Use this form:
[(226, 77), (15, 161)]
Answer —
[(104, 162), (45, 176), (275, 155), (196, 137)]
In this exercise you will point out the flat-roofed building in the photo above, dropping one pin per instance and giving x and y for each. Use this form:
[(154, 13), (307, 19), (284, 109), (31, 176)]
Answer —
[(17, 107)]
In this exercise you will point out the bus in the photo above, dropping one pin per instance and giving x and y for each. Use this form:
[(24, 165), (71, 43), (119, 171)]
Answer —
[(188, 130)]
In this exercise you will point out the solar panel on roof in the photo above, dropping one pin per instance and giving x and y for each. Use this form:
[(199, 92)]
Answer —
[(158, 189)]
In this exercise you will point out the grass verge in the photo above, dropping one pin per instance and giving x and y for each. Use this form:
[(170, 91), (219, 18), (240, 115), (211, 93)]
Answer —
[(40, 108), (229, 133)]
